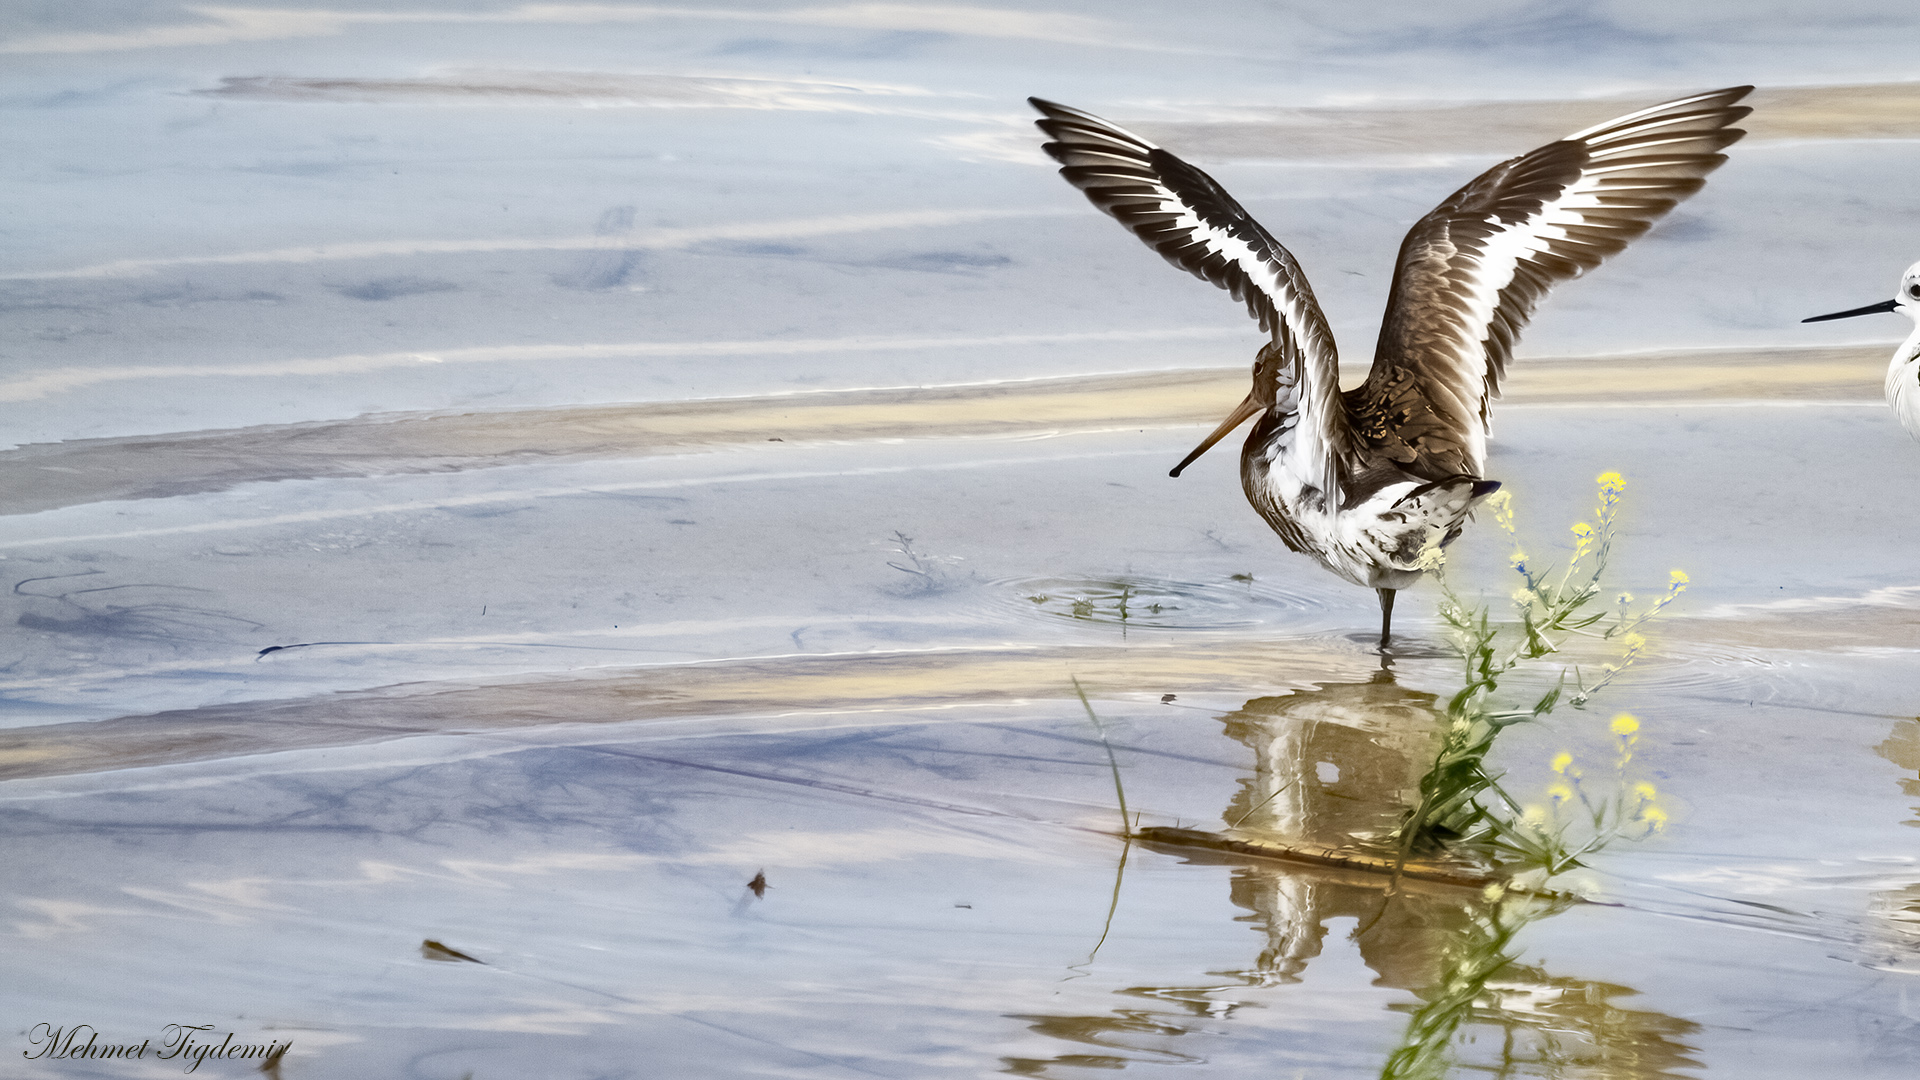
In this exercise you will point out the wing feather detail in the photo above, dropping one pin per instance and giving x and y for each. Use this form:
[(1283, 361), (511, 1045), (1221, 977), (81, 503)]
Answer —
[(1182, 213), (1471, 272)]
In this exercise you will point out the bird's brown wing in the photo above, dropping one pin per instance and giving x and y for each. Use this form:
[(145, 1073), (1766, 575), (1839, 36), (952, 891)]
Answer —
[(1180, 211), (1471, 272)]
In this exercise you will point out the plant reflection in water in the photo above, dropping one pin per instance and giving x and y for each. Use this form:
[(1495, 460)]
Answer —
[(1335, 768)]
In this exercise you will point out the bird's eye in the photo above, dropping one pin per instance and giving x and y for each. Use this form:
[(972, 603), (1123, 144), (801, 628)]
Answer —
[(1914, 290)]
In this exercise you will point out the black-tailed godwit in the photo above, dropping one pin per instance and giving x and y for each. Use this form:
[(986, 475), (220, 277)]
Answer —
[(1373, 481)]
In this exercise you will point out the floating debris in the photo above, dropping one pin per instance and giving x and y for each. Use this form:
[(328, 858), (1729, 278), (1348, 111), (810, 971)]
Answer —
[(433, 950)]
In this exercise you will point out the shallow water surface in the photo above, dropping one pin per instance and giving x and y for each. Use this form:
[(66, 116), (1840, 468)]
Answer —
[(566, 541)]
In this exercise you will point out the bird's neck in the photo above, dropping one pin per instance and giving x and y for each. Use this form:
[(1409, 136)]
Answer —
[(1910, 348), (1903, 382)]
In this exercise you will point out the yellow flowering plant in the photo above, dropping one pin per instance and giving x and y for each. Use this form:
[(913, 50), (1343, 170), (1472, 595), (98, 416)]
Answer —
[(1579, 817), (1460, 800)]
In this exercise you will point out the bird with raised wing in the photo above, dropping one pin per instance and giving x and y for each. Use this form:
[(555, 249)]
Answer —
[(1374, 481), (1903, 372)]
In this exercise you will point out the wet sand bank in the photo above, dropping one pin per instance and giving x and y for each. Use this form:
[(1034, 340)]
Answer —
[(50, 475)]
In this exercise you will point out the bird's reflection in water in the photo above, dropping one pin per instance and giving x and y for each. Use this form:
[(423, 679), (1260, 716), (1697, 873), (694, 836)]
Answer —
[(1894, 935), (1335, 767)]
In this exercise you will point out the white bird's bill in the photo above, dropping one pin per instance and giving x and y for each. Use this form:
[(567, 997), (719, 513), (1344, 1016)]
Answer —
[(1903, 371)]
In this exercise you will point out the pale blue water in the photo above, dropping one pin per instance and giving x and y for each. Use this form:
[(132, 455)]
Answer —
[(839, 196)]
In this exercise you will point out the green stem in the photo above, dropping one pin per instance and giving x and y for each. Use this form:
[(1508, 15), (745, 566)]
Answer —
[(1113, 763)]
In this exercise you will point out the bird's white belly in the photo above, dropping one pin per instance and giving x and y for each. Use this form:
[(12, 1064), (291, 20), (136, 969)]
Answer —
[(1903, 385), (1385, 542)]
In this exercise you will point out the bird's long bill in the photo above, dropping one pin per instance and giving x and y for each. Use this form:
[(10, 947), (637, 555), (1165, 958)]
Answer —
[(1243, 412), (1870, 309)]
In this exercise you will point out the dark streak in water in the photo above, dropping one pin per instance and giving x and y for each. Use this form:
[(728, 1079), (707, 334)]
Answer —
[(313, 645), (472, 644), (801, 781)]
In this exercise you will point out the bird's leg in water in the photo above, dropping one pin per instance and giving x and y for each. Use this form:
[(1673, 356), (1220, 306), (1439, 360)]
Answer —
[(1386, 616)]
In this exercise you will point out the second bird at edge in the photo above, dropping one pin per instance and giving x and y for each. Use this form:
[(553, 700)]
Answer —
[(1373, 481), (1903, 371)]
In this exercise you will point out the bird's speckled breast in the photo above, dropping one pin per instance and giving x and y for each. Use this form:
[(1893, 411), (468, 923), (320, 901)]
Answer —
[(1386, 539)]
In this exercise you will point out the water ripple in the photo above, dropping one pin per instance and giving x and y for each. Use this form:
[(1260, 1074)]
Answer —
[(1151, 602)]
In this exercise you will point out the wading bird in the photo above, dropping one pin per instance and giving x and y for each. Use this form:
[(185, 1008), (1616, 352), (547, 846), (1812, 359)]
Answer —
[(1372, 482), (1903, 373)]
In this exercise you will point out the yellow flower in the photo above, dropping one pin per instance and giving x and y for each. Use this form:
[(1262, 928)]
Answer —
[(1582, 540), (1501, 503), (1610, 488), (1625, 724), (1644, 791), (1561, 760), (1677, 580), (1535, 815), (1559, 792), (1655, 817)]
